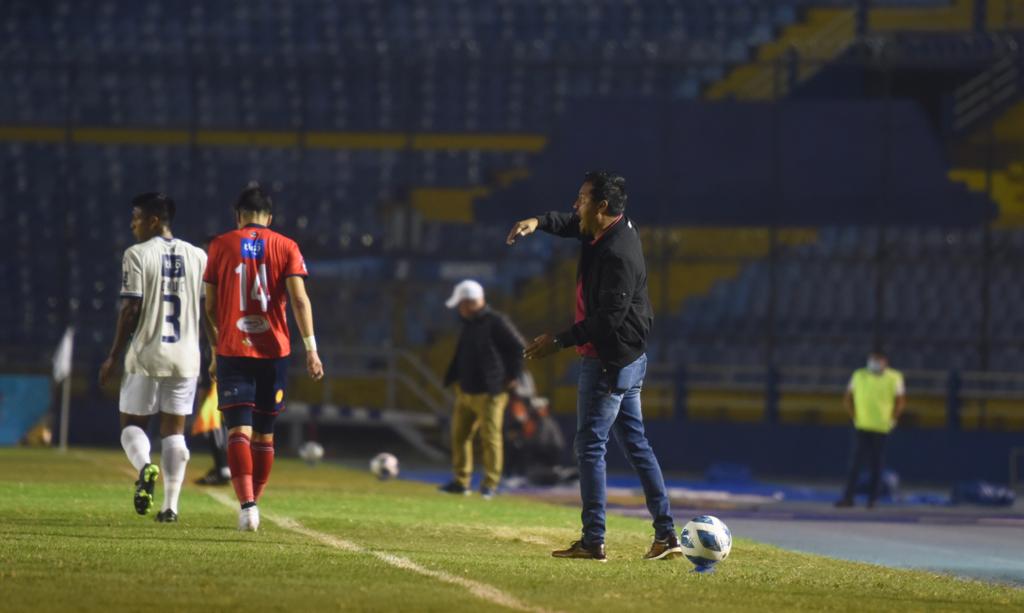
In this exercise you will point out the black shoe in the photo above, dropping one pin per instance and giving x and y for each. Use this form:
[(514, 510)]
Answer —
[(144, 488), (667, 548), (167, 516), (214, 477), (488, 492), (843, 503), (454, 488), (580, 551)]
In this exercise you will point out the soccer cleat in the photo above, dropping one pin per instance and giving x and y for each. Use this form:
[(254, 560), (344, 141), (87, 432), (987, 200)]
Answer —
[(488, 492), (167, 516), (213, 477), (454, 488), (665, 549), (249, 519), (144, 488), (580, 551)]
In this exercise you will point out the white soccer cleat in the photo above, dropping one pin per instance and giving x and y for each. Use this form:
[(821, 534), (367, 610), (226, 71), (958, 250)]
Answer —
[(249, 519)]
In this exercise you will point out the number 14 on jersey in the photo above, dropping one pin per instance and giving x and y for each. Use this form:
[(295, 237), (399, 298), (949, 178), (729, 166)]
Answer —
[(259, 287)]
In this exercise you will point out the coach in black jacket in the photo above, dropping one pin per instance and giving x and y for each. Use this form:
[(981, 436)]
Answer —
[(488, 360), (613, 318)]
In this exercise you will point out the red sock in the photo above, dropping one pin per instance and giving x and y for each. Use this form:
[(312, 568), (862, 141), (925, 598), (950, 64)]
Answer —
[(262, 461), (240, 463)]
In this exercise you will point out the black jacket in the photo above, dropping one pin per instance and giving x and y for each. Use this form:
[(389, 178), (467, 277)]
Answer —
[(614, 275), (489, 354)]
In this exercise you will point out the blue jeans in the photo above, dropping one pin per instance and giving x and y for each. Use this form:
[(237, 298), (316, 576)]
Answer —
[(605, 405)]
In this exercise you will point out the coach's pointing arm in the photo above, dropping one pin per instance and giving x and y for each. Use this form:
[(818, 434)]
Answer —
[(566, 225)]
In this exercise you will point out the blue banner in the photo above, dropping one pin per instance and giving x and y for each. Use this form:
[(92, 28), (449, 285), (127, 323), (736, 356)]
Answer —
[(23, 402)]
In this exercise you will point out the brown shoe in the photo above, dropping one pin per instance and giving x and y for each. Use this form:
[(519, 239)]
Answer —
[(665, 549), (578, 550)]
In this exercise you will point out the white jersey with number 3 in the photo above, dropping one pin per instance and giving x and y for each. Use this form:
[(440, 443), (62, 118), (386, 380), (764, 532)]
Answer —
[(167, 274)]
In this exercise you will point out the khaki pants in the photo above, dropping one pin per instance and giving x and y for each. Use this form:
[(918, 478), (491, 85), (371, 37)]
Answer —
[(483, 412)]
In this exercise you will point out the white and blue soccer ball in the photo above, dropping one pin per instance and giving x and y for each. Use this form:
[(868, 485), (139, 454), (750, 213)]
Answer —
[(706, 541), (311, 452), (384, 466)]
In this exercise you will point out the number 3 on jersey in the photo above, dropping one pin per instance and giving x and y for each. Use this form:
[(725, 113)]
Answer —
[(173, 319), (259, 287)]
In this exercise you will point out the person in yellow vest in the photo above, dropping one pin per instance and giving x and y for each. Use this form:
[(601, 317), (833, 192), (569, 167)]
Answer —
[(875, 398)]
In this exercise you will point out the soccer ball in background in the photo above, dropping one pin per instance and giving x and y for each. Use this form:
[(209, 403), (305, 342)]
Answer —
[(706, 541), (384, 465), (311, 452)]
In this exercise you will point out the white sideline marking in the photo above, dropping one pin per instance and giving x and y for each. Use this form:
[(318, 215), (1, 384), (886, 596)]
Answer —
[(483, 591), (480, 590)]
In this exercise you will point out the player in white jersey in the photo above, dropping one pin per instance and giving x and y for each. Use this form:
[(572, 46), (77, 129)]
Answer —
[(157, 334)]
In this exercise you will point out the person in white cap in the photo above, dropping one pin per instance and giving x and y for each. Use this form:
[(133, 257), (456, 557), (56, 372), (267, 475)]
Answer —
[(487, 362)]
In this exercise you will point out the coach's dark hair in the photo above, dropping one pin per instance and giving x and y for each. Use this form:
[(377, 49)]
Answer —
[(610, 186), (157, 205), (255, 200)]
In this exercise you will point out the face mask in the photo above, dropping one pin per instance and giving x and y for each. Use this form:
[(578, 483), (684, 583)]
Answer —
[(875, 365)]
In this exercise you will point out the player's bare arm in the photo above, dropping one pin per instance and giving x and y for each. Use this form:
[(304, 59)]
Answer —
[(524, 227), (210, 325), (303, 311), (127, 321)]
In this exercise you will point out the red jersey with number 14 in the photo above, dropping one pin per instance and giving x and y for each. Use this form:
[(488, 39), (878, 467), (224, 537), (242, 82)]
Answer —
[(249, 267)]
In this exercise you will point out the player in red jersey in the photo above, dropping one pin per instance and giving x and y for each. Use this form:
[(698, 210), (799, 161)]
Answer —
[(250, 274)]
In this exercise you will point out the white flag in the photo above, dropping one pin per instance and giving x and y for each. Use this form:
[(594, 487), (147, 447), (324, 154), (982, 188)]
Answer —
[(62, 357)]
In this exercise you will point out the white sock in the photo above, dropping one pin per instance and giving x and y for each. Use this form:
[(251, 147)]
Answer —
[(173, 459), (136, 446)]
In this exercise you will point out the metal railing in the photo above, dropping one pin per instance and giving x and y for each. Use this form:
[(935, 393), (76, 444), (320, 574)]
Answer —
[(956, 388), (401, 370)]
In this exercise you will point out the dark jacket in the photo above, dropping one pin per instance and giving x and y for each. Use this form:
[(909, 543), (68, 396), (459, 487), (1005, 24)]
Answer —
[(614, 276), (489, 354)]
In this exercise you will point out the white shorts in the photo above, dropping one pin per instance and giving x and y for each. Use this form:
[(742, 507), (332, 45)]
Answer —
[(144, 395)]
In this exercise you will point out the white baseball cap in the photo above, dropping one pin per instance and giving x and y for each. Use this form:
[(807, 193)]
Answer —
[(465, 290)]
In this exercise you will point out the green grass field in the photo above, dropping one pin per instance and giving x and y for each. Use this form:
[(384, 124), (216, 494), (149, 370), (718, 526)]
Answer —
[(333, 539)]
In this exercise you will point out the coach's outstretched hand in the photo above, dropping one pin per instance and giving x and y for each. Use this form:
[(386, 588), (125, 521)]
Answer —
[(541, 347), (525, 227), (313, 366)]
